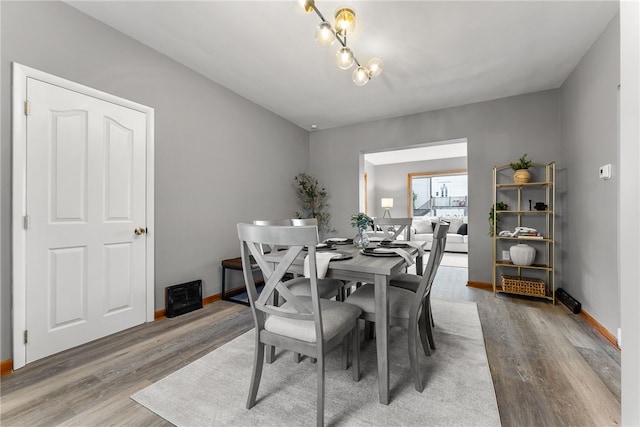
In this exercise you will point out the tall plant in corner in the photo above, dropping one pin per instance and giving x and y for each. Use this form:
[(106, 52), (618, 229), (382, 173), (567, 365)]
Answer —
[(313, 200)]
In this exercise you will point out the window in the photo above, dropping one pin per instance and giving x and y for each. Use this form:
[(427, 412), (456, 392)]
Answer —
[(438, 193)]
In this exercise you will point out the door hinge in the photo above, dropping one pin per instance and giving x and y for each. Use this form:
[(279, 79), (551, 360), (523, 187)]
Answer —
[(26, 222), (27, 108), (26, 337)]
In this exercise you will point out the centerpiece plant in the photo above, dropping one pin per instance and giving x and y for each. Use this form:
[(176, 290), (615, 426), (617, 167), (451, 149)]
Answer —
[(361, 221)]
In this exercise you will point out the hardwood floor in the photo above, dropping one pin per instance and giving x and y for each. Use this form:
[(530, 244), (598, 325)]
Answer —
[(549, 368)]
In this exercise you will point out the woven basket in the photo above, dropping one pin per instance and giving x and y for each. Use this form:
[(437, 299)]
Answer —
[(523, 285)]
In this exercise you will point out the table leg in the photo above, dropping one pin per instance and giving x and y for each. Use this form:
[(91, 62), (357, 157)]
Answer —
[(382, 335)]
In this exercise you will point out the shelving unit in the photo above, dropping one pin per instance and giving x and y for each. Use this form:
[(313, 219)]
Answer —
[(537, 279)]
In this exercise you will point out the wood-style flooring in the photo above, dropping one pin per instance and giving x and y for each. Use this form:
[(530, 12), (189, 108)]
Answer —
[(549, 368)]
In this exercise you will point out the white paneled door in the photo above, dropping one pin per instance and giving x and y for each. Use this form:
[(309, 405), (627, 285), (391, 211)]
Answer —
[(86, 219)]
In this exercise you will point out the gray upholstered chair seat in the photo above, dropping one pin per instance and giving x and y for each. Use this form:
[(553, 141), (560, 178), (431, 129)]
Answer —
[(399, 300), (334, 316), (406, 281), (327, 288)]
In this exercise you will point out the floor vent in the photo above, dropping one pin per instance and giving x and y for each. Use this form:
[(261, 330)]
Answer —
[(183, 298)]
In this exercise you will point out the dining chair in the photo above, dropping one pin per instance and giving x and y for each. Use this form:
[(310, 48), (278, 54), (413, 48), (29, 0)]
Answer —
[(405, 306), (392, 228), (411, 282), (309, 325)]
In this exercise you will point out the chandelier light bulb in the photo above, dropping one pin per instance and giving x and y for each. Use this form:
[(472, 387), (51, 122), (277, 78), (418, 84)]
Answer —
[(345, 21), (344, 58), (325, 35), (360, 76), (374, 66)]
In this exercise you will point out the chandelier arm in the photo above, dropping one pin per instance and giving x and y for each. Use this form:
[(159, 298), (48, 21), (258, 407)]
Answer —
[(313, 5)]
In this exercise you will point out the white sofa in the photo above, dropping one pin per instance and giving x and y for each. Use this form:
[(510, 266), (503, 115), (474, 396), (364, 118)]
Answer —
[(457, 239)]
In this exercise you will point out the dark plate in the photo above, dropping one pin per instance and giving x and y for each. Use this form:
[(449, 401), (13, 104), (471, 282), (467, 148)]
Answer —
[(388, 244), (322, 247), (370, 252), (345, 242)]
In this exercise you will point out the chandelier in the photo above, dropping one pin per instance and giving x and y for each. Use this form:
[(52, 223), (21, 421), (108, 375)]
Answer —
[(326, 35)]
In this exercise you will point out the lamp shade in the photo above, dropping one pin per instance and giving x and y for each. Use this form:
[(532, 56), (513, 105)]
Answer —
[(386, 202)]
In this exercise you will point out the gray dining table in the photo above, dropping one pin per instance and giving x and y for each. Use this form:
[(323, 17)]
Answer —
[(377, 270)]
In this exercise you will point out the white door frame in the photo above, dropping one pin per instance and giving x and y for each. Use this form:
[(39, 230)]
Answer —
[(19, 196)]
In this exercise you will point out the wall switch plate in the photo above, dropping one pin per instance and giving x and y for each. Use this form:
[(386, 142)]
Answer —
[(605, 171)]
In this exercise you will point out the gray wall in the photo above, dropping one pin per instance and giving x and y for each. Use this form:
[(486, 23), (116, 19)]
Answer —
[(497, 132), (219, 159), (590, 140), (391, 181)]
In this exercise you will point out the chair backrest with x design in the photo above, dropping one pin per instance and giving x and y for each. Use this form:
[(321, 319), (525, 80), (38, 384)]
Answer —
[(294, 239), (393, 227)]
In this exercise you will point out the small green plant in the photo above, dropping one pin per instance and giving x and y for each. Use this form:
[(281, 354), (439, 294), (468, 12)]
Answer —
[(500, 206), (522, 163), (361, 220), (313, 200)]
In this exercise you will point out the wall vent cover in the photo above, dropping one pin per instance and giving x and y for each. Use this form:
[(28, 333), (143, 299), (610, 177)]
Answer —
[(183, 298)]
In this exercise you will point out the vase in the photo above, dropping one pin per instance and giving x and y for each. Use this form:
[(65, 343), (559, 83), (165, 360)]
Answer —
[(522, 254), (521, 176), (361, 240)]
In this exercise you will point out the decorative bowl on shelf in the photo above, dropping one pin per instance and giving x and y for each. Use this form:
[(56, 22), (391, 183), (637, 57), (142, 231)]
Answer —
[(522, 254)]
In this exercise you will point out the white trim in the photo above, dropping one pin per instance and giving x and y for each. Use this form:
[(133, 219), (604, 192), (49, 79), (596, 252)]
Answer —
[(19, 137)]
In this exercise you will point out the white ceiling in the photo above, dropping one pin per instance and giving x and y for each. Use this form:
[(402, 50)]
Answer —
[(442, 150), (437, 54)]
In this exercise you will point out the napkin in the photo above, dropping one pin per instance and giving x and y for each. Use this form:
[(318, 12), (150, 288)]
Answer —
[(404, 254), (322, 263), (418, 246)]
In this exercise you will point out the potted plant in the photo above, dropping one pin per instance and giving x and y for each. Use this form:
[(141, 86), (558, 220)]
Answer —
[(313, 200), (521, 168), (493, 218), (361, 221)]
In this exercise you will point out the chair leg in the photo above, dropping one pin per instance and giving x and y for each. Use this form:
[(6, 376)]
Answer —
[(258, 363), (271, 354), (423, 326), (428, 321), (355, 342), (320, 398), (413, 356), (345, 352), (369, 330)]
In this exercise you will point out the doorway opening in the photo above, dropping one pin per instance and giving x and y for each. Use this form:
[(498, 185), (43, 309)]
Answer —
[(426, 182)]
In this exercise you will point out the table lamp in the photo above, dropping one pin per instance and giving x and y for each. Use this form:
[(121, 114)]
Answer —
[(386, 203)]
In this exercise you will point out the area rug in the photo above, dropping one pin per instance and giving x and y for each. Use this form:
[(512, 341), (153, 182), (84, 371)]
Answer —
[(454, 259), (212, 391)]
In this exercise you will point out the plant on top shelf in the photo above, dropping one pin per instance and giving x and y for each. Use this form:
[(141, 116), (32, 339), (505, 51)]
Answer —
[(313, 200), (493, 218), (521, 175)]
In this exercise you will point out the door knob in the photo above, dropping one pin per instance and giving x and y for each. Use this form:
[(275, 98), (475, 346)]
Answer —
[(139, 231)]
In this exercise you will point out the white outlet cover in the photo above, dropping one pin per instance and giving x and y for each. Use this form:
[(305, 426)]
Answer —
[(605, 171)]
